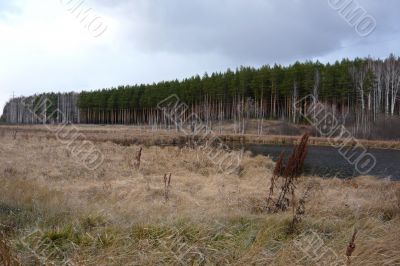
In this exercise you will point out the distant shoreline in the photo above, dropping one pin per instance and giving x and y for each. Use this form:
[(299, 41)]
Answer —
[(130, 135)]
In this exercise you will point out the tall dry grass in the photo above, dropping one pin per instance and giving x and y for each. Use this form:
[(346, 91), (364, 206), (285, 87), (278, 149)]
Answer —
[(7, 258), (54, 208)]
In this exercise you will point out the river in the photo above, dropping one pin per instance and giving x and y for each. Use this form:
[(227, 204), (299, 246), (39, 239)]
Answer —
[(328, 162)]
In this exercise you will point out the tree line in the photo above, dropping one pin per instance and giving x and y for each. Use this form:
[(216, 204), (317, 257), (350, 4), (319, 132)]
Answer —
[(360, 90)]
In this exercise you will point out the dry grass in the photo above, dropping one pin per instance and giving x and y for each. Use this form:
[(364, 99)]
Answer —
[(7, 258), (54, 208), (135, 135)]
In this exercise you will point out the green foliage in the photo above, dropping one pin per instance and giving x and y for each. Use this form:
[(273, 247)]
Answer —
[(336, 82), (277, 84)]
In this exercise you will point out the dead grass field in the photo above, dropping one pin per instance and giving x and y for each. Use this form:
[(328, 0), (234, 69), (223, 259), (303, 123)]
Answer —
[(54, 210)]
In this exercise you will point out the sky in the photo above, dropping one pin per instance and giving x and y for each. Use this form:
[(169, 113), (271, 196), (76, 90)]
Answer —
[(75, 45)]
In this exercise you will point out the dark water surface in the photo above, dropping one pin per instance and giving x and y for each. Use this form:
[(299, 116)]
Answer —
[(327, 161)]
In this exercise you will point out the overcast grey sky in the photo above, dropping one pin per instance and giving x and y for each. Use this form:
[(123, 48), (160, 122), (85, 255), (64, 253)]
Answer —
[(46, 48)]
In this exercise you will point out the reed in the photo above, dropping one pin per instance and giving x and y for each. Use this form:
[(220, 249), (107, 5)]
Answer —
[(278, 170), (15, 134), (351, 246), (291, 173), (301, 209), (167, 186), (138, 157)]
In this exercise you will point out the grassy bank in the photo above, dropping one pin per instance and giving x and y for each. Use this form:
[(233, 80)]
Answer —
[(131, 135), (53, 210)]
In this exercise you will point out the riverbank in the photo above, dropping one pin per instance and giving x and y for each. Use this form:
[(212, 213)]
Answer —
[(131, 135), (53, 209)]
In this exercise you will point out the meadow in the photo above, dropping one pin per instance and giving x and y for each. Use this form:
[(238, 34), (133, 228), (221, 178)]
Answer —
[(54, 211)]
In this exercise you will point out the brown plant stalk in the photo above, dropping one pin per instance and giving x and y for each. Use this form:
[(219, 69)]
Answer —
[(301, 208), (279, 167), (352, 245), (138, 158), (292, 171), (167, 186)]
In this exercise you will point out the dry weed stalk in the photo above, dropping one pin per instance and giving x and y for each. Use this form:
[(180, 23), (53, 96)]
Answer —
[(107, 187), (6, 256), (296, 160), (351, 246), (301, 209), (138, 157), (167, 186), (15, 134), (275, 176), (291, 172), (10, 171)]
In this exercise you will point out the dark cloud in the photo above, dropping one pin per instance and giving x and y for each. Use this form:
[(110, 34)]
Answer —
[(245, 31)]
